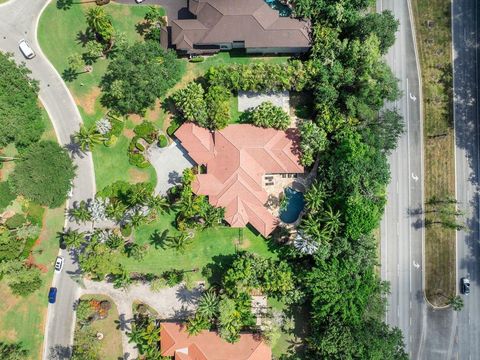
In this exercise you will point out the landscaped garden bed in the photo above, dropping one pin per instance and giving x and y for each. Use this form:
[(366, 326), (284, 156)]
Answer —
[(97, 333)]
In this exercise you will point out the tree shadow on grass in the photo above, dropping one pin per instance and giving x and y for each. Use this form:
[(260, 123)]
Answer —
[(157, 239)]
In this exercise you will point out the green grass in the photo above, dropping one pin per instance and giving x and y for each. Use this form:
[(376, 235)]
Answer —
[(111, 344), (207, 245), (59, 32), (23, 319), (234, 113), (433, 31)]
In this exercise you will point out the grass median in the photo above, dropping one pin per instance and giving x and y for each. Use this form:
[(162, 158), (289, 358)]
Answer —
[(433, 33)]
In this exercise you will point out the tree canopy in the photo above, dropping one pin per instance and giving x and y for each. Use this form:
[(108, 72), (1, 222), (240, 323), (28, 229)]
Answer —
[(20, 116), (138, 76), (44, 174)]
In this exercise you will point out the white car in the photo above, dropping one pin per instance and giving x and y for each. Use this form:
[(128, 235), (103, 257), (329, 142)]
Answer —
[(138, 1), (59, 263), (26, 49)]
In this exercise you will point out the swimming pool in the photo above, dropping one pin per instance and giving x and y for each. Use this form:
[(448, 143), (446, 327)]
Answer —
[(283, 10), (295, 204)]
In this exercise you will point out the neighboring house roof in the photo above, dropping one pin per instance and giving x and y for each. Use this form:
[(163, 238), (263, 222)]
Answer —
[(175, 341), (226, 21), (237, 158)]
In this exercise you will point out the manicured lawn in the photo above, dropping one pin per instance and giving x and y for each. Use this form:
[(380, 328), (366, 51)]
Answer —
[(207, 246), (111, 344), (433, 27), (23, 319)]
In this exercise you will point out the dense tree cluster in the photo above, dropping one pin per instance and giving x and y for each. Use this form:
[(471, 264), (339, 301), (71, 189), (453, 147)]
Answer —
[(20, 116), (52, 170), (260, 76), (137, 76)]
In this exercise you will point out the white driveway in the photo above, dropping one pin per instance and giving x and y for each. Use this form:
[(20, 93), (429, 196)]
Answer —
[(250, 99), (169, 163)]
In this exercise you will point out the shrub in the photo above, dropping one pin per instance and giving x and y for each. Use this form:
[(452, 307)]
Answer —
[(6, 195), (15, 221), (144, 129), (126, 230), (117, 127), (173, 277), (162, 141), (190, 102), (140, 147), (53, 171), (137, 160), (111, 141), (197, 59), (174, 125)]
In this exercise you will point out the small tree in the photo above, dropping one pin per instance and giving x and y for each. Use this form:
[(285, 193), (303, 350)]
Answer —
[(87, 138), (93, 50), (268, 115), (76, 63), (73, 239), (191, 103)]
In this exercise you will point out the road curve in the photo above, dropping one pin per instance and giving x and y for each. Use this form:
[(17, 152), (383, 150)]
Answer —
[(19, 19)]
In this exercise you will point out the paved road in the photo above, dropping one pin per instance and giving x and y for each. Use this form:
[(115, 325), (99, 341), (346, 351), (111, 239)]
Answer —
[(18, 19), (401, 240), (466, 112)]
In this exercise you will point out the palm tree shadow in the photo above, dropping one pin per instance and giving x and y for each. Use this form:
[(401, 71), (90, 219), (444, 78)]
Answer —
[(158, 239), (122, 323), (74, 148)]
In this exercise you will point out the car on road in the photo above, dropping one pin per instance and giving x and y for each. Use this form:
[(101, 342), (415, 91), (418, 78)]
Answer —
[(52, 295), (59, 263), (26, 50), (465, 286)]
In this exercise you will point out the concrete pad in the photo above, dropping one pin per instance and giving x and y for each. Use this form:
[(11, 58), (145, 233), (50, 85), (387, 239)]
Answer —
[(169, 163), (250, 99)]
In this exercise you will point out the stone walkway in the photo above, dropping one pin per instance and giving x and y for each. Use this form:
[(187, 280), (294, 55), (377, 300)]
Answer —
[(169, 163), (170, 303)]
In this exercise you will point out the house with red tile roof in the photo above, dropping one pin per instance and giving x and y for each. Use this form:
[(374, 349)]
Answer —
[(175, 341), (237, 158)]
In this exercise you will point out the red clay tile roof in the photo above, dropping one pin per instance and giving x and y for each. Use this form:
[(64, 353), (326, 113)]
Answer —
[(209, 346), (251, 21), (237, 158)]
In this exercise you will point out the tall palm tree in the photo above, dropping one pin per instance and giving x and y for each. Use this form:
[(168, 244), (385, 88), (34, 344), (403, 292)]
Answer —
[(73, 239), (139, 195), (80, 212), (116, 210), (179, 242), (87, 138), (100, 23), (315, 196), (332, 221), (159, 204)]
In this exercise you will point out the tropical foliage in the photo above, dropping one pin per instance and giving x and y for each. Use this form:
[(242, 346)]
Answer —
[(53, 171), (268, 115), (137, 76), (20, 116)]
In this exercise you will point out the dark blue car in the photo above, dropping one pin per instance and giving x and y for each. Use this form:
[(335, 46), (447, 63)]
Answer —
[(52, 295)]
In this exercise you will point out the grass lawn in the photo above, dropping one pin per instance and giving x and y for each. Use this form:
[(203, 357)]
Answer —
[(111, 348), (432, 21), (207, 246), (23, 319)]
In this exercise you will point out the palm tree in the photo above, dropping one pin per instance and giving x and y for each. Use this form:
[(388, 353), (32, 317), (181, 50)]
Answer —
[(159, 204), (87, 138), (332, 222), (80, 212), (73, 238), (179, 242), (208, 305), (139, 195), (145, 334), (122, 280), (136, 219), (116, 210), (315, 196), (100, 23), (456, 302)]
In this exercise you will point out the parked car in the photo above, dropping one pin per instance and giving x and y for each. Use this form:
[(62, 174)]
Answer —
[(52, 295), (26, 50), (465, 285), (59, 263)]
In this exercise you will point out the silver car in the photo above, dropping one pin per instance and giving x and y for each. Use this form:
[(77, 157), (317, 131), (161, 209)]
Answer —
[(59, 263)]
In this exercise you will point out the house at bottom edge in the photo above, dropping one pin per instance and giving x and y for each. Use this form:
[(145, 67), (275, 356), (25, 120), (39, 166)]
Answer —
[(175, 342), (237, 158)]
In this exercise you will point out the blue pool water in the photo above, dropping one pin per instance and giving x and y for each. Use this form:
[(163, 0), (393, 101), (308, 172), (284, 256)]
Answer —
[(295, 205), (283, 10)]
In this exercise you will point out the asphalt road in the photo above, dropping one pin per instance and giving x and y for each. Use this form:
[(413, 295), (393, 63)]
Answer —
[(466, 34), (401, 237), (18, 19)]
